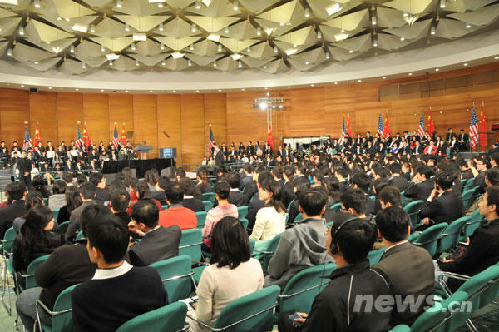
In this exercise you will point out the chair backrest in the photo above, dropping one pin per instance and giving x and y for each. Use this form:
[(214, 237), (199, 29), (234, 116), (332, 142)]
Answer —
[(451, 235), (482, 287), (374, 256), (265, 249), (201, 217), (244, 222), (208, 205), (30, 279), (8, 241), (298, 217), (469, 183), (190, 244), (253, 312), (170, 317), (79, 236), (336, 207), (300, 291), (63, 322), (468, 196), (55, 213), (412, 210), (209, 196), (63, 227), (428, 239), (175, 274), (243, 211), (473, 224), (252, 246)]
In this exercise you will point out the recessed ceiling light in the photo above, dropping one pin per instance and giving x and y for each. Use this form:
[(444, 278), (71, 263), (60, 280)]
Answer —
[(219, 90), (22, 85), (468, 26), (266, 88), (101, 90), (150, 90), (126, 91), (402, 38), (465, 64), (243, 89), (496, 58), (312, 85), (77, 89), (360, 81), (50, 88), (410, 74), (197, 91), (335, 83), (174, 91), (384, 77), (350, 51), (437, 69)]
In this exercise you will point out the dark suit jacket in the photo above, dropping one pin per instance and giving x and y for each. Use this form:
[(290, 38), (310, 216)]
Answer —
[(409, 271), (445, 208), (236, 197), (193, 204), (482, 252), (9, 213), (219, 158), (398, 181), (158, 195), (419, 191), (250, 189), (254, 206), (156, 245), (102, 195)]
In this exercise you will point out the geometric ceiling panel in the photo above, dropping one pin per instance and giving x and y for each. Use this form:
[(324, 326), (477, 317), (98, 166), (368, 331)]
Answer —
[(447, 28), (307, 60), (42, 32), (350, 22), (326, 9), (6, 13), (205, 48), (276, 66), (355, 44), (113, 44), (150, 60), (71, 67), (179, 4), (257, 5), (414, 31), (125, 64), (390, 18), (43, 65), (148, 48), (24, 53), (98, 3), (235, 45), (96, 62), (57, 46), (254, 62), (482, 16), (291, 12), (216, 8), (261, 50), (87, 49), (175, 64), (110, 28), (390, 42), (415, 7), (8, 25), (226, 64), (3, 46), (68, 8), (142, 23), (213, 24), (465, 5), (340, 54), (177, 44), (202, 60), (176, 28), (242, 30), (139, 8)]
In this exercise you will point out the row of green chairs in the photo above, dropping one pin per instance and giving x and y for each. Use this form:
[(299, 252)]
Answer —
[(7, 246), (469, 196)]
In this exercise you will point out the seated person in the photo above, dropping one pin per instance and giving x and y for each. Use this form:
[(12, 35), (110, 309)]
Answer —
[(35, 239), (483, 250), (120, 199), (361, 181), (337, 307), (67, 265), (141, 191), (422, 185), (101, 192), (444, 204), (16, 208), (157, 242), (177, 214), (270, 219), (158, 193), (395, 178), (223, 209), (87, 194), (118, 291), (58, 198), (192, 196), (33, 199), (236, 196), (231, 275), (304, 245), (408, 269)]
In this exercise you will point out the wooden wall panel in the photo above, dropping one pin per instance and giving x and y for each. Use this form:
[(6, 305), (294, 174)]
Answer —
[(120, 111), (96, 115), (14, 110), (193, 128), (145, 122), (43, 111), (69, 111), (215, 115), (169, 122)]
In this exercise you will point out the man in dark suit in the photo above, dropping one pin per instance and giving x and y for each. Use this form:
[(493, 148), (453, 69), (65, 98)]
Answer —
[(444, 204), (408, 269), (236, 196), (361, 181), (483, 250), (16, 208), (422, 185), (247, 177), (219, 157), (24, 167), (157, 243), (396, 179), (101, 193), (463, 140)]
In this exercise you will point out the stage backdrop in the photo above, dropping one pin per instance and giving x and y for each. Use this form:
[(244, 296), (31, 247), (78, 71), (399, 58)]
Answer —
[(310, 111)]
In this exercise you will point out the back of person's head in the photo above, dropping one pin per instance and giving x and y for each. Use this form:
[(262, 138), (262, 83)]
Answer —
[(32, 230), (142, 190), (362, 181), (390, 194), (67, 177), (95, 178), (354, 199), (395, 168), (73, 200), (229, 243), (425, 171), (107, 234), (15, 190), (273, 187), (495, 157), (354, 238), (120, 199), (393, 223), (379, 184), (222, 189), (289, 172), (87, 190), (163, 182), (146, 212), (445, 180), (59, 187), (493, 197), (33, 199), (492, 176), (38, 183), (313, 202), (301, 183), (380, 171), (234, 180), (80, 180), (91, 213), (174, 193)]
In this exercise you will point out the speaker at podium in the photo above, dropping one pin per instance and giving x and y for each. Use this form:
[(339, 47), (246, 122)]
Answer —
[(168, 152)]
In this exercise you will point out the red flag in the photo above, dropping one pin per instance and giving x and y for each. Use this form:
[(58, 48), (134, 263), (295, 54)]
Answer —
[(86, 139), (349, 128), (386, 130), (431, 126), (270, 138), (482, 129), (123, 135), (38, 138)]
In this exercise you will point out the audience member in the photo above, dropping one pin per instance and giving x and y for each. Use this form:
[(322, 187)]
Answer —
[(17, 207), (58, 198), (101, 192), (120, 199), (33, 199), (236, 196), (73, 200), (422, 184), (177, 214), (192, 196), (87, 194)]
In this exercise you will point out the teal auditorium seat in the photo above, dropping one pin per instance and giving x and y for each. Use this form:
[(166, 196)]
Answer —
[(62, 320), (169, 318), (176, 276), (201, 217), (428, 239)]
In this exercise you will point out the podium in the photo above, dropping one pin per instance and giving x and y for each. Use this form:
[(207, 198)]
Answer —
[(143, 150)]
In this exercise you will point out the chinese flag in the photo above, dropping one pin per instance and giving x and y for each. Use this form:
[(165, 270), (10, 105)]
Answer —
[(482, 129), (123, 135), (270, 138), (86, 139), (386, 128), (349, 128), (431, 126), (38, 138)]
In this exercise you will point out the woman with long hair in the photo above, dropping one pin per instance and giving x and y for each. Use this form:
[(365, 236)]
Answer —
[(231, 275), (271, 219), (33, 199), (73, 200)]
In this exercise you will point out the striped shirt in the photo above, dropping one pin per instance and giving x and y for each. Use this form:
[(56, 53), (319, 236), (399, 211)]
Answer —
[(213, 216)]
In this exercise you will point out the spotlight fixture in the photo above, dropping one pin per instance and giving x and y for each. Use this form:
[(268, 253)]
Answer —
[(236, 5), (197, 5), (133, 47), (83, 66), (433, 30), (36, 3), (119, 4), (21, 30), (127, 27), (307, 12), (193, 27), (443, 3)]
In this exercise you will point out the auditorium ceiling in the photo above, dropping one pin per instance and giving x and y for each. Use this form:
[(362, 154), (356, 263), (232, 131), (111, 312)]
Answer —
[(84, 36)]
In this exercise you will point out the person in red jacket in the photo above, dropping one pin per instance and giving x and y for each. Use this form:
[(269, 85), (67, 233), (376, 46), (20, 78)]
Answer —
[(430, 149), (177, 214)]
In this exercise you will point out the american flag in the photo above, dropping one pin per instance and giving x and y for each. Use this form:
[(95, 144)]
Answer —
[(473, 129), (421, 126), (344, 133), (212, 138), (380, 126), (28, 143), (116, 139), (79, 140)]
